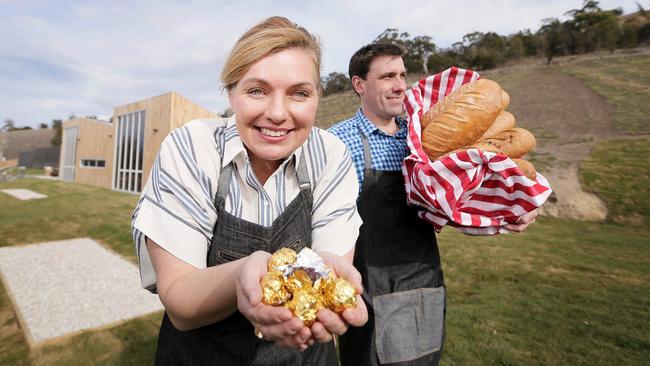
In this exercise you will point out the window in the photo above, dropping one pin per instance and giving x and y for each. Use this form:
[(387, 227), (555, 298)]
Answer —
[(129, 152), (93, 163)]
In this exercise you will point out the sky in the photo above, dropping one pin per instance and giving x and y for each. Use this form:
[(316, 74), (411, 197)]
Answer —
[(87, 57)]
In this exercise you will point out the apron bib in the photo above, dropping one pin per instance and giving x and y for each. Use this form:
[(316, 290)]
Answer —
[(231, 341), (397, 256)]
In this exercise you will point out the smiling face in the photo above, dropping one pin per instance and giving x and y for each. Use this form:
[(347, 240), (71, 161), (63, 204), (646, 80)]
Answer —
[(382, 92), (275, 106)]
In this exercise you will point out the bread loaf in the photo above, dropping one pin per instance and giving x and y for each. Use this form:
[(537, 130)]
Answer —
[(505, 100), (462, 117), (527, 167), (505, 121), (514, 143)]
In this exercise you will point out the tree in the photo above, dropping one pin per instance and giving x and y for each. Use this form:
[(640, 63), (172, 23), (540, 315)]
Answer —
[(42, 125), (533, 43), (441, 61), (608, 30), (336, 82), (57, 126), (418, 49), (515, 49), (554, 37), (9, 125)]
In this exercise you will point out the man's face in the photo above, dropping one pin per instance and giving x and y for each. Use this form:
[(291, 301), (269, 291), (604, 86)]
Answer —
[(382, 93)]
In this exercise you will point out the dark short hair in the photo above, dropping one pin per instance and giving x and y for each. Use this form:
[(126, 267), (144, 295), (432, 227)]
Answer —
[(361, 60)]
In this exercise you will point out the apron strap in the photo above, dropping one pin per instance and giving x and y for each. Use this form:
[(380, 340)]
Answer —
[(302, 173), (367, 160), (225, 173)]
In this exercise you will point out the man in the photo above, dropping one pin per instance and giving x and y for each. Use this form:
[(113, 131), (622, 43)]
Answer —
[(396, 252)]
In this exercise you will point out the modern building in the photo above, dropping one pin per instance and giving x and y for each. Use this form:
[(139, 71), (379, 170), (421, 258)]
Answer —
[(119, 154)]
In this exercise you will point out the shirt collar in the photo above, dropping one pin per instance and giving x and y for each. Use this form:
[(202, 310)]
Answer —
[(235, 148), (368, 128)]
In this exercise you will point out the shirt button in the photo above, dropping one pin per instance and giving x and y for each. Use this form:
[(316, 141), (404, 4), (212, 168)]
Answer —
[(266, 203)]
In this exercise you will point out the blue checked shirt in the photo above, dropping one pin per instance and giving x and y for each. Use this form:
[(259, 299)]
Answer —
[(387, 152)]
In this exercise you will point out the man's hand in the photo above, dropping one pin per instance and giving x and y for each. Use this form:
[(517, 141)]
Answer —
[(523, 222), (275, 323), (328, 321)]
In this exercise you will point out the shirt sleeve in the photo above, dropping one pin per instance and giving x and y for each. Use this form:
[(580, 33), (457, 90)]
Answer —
[(335, 220), (175, 209)]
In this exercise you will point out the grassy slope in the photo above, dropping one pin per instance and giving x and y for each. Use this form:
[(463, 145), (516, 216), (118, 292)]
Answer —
[(625, 83), (618, 170)]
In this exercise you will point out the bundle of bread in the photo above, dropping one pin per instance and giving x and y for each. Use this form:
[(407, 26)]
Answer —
[(474, 116), (305, 285)]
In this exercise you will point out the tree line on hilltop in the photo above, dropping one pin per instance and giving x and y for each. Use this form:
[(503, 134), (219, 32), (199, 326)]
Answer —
[(588, 29)]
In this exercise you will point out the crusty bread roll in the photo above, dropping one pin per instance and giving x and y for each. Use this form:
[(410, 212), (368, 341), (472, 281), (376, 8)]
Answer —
[(505, 100), (446, 101), (527, 167), (505, 121), (514, 143), (462, 118)]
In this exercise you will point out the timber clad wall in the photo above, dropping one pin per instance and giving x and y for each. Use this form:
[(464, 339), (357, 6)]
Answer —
[(95, 141), (162, 114), (111, 141), (156, 126)]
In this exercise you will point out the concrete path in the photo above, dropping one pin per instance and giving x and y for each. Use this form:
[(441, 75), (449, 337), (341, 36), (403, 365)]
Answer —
[(64, 287), (23, 194)]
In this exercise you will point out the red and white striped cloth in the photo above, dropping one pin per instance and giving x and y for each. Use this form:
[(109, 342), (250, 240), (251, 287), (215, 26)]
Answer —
[(474, 190)]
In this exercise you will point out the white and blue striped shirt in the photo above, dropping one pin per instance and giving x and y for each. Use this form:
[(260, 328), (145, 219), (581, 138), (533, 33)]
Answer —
[(387, 151), (176, 208)]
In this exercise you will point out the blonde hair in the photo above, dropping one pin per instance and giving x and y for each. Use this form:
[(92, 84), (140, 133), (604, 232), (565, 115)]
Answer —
[(273, 35)]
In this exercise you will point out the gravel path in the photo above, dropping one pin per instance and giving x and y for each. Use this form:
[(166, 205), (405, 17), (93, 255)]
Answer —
[(23, 194), (63, 287)]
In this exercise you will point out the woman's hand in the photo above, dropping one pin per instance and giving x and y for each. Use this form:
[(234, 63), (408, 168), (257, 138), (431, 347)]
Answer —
[(275, 323), (328, 321)]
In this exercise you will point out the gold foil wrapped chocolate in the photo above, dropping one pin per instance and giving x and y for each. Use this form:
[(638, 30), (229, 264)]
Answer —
[(281, 258), (297, 280), (274, 290), (305, 305), (304, 284), (341, 295)]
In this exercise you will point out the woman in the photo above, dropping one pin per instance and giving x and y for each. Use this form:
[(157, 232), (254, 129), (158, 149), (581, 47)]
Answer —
[(223, 194)]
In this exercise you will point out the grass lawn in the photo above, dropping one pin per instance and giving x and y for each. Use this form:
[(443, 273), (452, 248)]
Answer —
[(73, 211), (563, 293), (27, 171), (619, 172)]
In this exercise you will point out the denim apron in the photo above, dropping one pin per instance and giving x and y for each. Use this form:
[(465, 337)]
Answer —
[(231, 341), (397, 256)]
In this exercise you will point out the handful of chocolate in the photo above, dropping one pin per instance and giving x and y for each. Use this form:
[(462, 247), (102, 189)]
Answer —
[(304, 284)]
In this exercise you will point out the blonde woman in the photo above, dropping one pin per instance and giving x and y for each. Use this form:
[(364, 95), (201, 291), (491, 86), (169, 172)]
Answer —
[(222, 195)]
